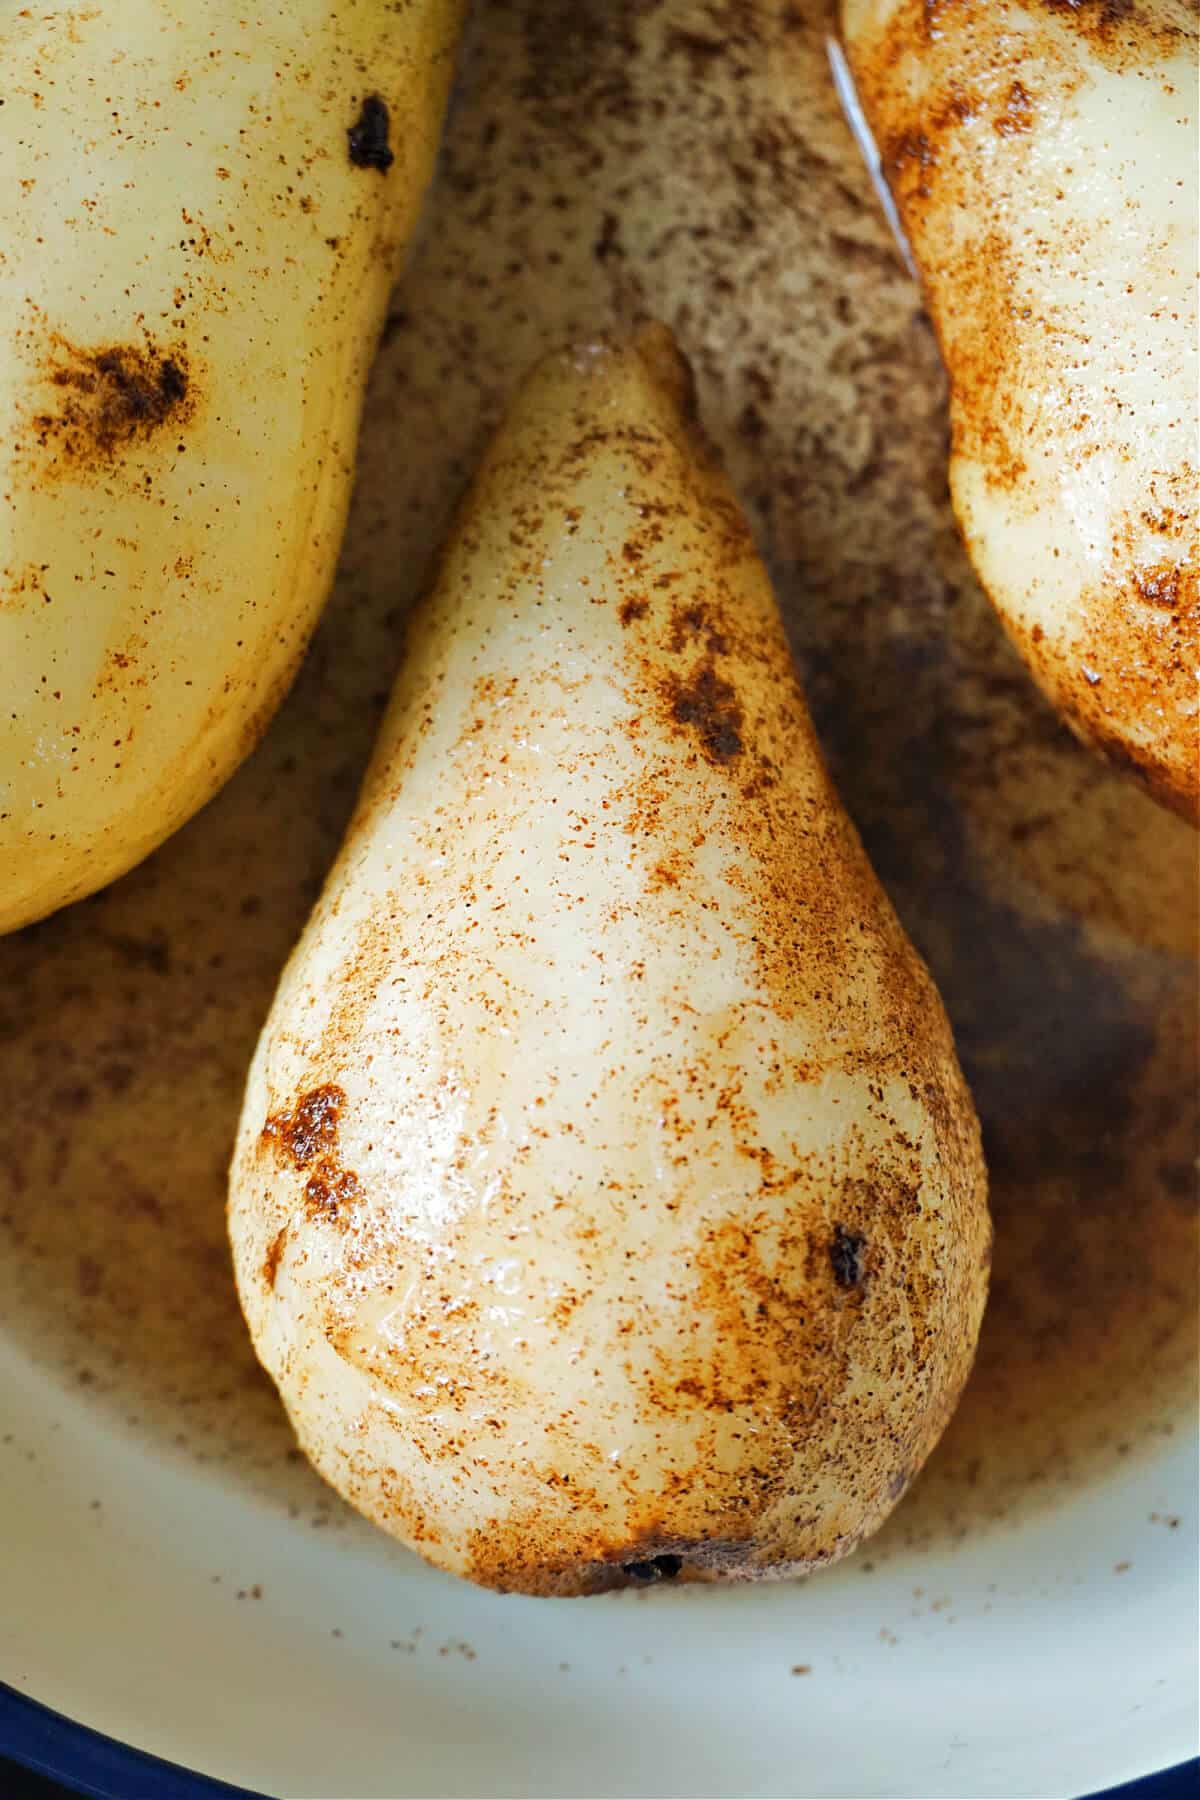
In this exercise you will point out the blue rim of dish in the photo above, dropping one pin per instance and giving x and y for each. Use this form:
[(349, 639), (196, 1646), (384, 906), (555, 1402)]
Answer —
[(50, 1744)]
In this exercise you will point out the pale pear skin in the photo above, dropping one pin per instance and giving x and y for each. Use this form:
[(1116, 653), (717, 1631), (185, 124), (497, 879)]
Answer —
[(1042, 155), (608, 1203), (195, 258)]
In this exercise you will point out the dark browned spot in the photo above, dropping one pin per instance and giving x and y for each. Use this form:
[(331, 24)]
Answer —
[(270, 1268), (709, 706), (658, 1568), (846, 1257), (691, 622), (308, 1135), (328, 1190), (310, 1129), (111, 397), (629, 610), (368, 136)]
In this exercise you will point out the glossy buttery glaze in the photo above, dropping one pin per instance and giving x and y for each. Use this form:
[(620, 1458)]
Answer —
[(1043, 157), (608, 1200), (192, 281)]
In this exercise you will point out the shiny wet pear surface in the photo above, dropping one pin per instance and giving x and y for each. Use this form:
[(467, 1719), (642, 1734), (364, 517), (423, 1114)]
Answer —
[(607, 1189), (194, 274), (1043, 158)]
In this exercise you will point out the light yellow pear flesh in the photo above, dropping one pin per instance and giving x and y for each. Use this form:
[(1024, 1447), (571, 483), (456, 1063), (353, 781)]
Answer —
[(1043, 159), (193, 272), (608, 1202)]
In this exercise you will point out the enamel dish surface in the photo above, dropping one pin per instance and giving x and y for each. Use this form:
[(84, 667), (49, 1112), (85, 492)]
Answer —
[(173, 1573)]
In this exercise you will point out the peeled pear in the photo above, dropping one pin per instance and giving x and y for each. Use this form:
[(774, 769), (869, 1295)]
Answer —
[(1042, 155), (608, 1202), (202, 211)]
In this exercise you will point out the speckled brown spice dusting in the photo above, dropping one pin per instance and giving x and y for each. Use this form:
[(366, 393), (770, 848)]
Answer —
[(953, 98), (1165, 585), (368, 136)]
